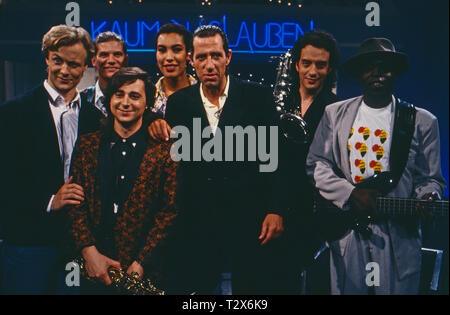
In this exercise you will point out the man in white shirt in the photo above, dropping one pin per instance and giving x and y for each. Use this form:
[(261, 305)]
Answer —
[(227, 213), (356, 139), (35, 183)]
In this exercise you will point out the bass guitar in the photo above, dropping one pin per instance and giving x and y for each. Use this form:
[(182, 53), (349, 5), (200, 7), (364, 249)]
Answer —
[(333, 223)]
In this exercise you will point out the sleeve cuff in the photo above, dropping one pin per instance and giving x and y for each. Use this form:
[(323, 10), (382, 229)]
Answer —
[(49, 206), (279, 212)]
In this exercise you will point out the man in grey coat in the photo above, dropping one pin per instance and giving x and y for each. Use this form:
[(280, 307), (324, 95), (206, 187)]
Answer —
[(352, 143)]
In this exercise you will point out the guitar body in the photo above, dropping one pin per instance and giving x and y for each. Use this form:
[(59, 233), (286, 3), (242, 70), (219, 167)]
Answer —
[(333, 223)]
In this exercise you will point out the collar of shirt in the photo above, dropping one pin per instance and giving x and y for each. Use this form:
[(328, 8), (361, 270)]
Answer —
[(99, 101), (207, 104), (390, 106), (98, 92), (159, 92), (160, 96), (139, 136), (57, 100)]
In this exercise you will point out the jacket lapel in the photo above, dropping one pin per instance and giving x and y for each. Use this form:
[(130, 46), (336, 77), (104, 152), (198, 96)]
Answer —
[(142, 178), (105, 174), (233, 108), (198, 108), (44, 130), (89, 117)]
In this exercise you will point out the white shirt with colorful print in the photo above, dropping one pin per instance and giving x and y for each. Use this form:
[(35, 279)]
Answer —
[(369, 142)]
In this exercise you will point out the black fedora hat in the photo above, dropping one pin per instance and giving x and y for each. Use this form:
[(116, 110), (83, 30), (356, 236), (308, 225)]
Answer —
[(376, 48)]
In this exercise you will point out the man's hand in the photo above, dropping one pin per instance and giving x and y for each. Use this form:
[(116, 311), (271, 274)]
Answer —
[(431, 196), (363, 202), (136, 267), (97, 264), (160, 130), (272, 227), (69, 194), (422, 210)]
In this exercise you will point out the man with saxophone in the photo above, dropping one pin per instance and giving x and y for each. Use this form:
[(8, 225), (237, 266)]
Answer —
[(131, 179), (315, 59)]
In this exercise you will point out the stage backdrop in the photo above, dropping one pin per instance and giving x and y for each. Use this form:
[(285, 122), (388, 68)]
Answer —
[(257, 32)]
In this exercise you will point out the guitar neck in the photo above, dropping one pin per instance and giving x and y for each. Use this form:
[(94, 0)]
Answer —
[(409, 207)]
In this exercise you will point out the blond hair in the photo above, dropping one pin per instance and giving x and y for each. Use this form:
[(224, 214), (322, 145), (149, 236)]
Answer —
[(63, 35)]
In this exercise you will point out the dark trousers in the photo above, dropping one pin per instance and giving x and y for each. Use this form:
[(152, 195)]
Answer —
[(197, 263), (32, 270)]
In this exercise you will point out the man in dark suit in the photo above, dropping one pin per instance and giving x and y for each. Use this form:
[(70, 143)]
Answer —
[(227, 202), (315, 58), (38, 132)]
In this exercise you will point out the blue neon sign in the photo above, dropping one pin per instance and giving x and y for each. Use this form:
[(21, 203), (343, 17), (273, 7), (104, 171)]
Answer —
[(244, 36)]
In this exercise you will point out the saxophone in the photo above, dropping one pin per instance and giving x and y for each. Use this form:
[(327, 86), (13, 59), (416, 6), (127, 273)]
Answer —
[(123, 282), (293, 126)]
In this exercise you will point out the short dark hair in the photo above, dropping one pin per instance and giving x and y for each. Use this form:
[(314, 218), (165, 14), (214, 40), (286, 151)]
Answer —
[(108, 37), (210, 31), (178, 29), (319, 39), (128, 75), (63, 35)]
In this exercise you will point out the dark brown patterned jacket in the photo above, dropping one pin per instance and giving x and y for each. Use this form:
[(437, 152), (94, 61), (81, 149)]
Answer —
[(149, 211)]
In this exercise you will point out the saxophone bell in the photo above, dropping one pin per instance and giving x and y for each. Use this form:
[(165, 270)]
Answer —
[(293, 126)]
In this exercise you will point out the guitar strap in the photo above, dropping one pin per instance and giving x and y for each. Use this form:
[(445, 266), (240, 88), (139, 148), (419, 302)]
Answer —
[(404, 126)]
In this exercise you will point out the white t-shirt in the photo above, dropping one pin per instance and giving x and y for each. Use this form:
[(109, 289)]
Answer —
[(369, 141)]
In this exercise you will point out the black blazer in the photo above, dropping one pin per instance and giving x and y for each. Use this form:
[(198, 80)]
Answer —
[(222, 203), (89, 115), (293, 179), (31, 168), (234, 185)]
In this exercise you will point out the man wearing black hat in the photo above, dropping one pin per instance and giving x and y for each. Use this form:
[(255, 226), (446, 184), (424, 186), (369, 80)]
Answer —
[(366, 136)]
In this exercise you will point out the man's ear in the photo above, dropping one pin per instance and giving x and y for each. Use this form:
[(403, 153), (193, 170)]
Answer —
[(47, 61), (93, 59), (229, 56), (125, 61), (297, 66), (189, 58)]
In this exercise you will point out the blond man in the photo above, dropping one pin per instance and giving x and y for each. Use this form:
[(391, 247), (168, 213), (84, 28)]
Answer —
[(35, 183)]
